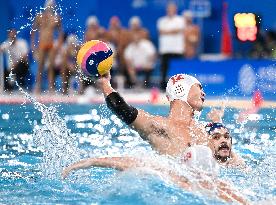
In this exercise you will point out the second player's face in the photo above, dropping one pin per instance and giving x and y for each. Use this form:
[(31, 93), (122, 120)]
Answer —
[(221, 144)]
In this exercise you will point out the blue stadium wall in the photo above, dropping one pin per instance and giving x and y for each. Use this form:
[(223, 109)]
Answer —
[(231, 78)]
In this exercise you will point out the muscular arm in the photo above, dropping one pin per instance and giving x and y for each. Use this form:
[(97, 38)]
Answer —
[(148, 126), (224, 191), (119, 163)]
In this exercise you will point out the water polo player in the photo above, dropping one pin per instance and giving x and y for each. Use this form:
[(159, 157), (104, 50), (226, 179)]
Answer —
[(176, 135), (173, 134), (168, 135)]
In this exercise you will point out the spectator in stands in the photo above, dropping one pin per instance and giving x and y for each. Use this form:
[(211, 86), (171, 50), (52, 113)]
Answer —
[(120, 38), (135, 26), (258, 49), (69, 64), (171, 39), (270, 44), (140, 56), (16, 50), (93, 30), (263, 46), (191, 35), (45, 24), (115, 30)]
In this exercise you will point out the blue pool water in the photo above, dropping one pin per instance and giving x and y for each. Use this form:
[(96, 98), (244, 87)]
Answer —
[(37, 141)]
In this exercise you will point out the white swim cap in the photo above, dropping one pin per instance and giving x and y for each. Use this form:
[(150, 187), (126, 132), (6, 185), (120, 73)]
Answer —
[(200, 157), (178, 87)]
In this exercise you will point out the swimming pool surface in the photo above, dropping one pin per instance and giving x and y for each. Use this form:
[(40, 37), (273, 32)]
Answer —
[(37, 141)]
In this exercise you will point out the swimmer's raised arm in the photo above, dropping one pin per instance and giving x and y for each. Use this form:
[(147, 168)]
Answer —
[(119, 163), (216, 115), (140, 120), (105, 85)]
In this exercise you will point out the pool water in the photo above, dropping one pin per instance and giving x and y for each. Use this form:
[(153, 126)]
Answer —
[(37, 141)]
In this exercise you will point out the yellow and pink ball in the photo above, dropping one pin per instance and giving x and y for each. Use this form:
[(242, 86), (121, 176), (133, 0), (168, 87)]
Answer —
[(95, 58)]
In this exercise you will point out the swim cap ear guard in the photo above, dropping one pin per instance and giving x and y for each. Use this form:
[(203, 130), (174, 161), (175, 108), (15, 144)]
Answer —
[(178, 87)]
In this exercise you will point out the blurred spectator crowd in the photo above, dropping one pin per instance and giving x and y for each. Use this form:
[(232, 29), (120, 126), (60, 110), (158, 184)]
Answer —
[(136, 56), (265, 46)]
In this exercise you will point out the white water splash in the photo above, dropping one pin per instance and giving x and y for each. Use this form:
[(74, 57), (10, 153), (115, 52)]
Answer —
[(59, 145)]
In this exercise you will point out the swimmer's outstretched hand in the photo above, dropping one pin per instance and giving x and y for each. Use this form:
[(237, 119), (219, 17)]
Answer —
[(216, 115), (65, 172), (104, 83)]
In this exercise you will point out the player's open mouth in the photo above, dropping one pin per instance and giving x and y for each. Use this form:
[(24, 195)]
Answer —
[(224, 147)]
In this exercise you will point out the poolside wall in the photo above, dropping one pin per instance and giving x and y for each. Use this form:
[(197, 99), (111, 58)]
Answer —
[(231, 78)]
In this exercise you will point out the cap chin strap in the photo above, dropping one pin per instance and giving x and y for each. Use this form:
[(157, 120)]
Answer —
[(195, 112), (186, 101)]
